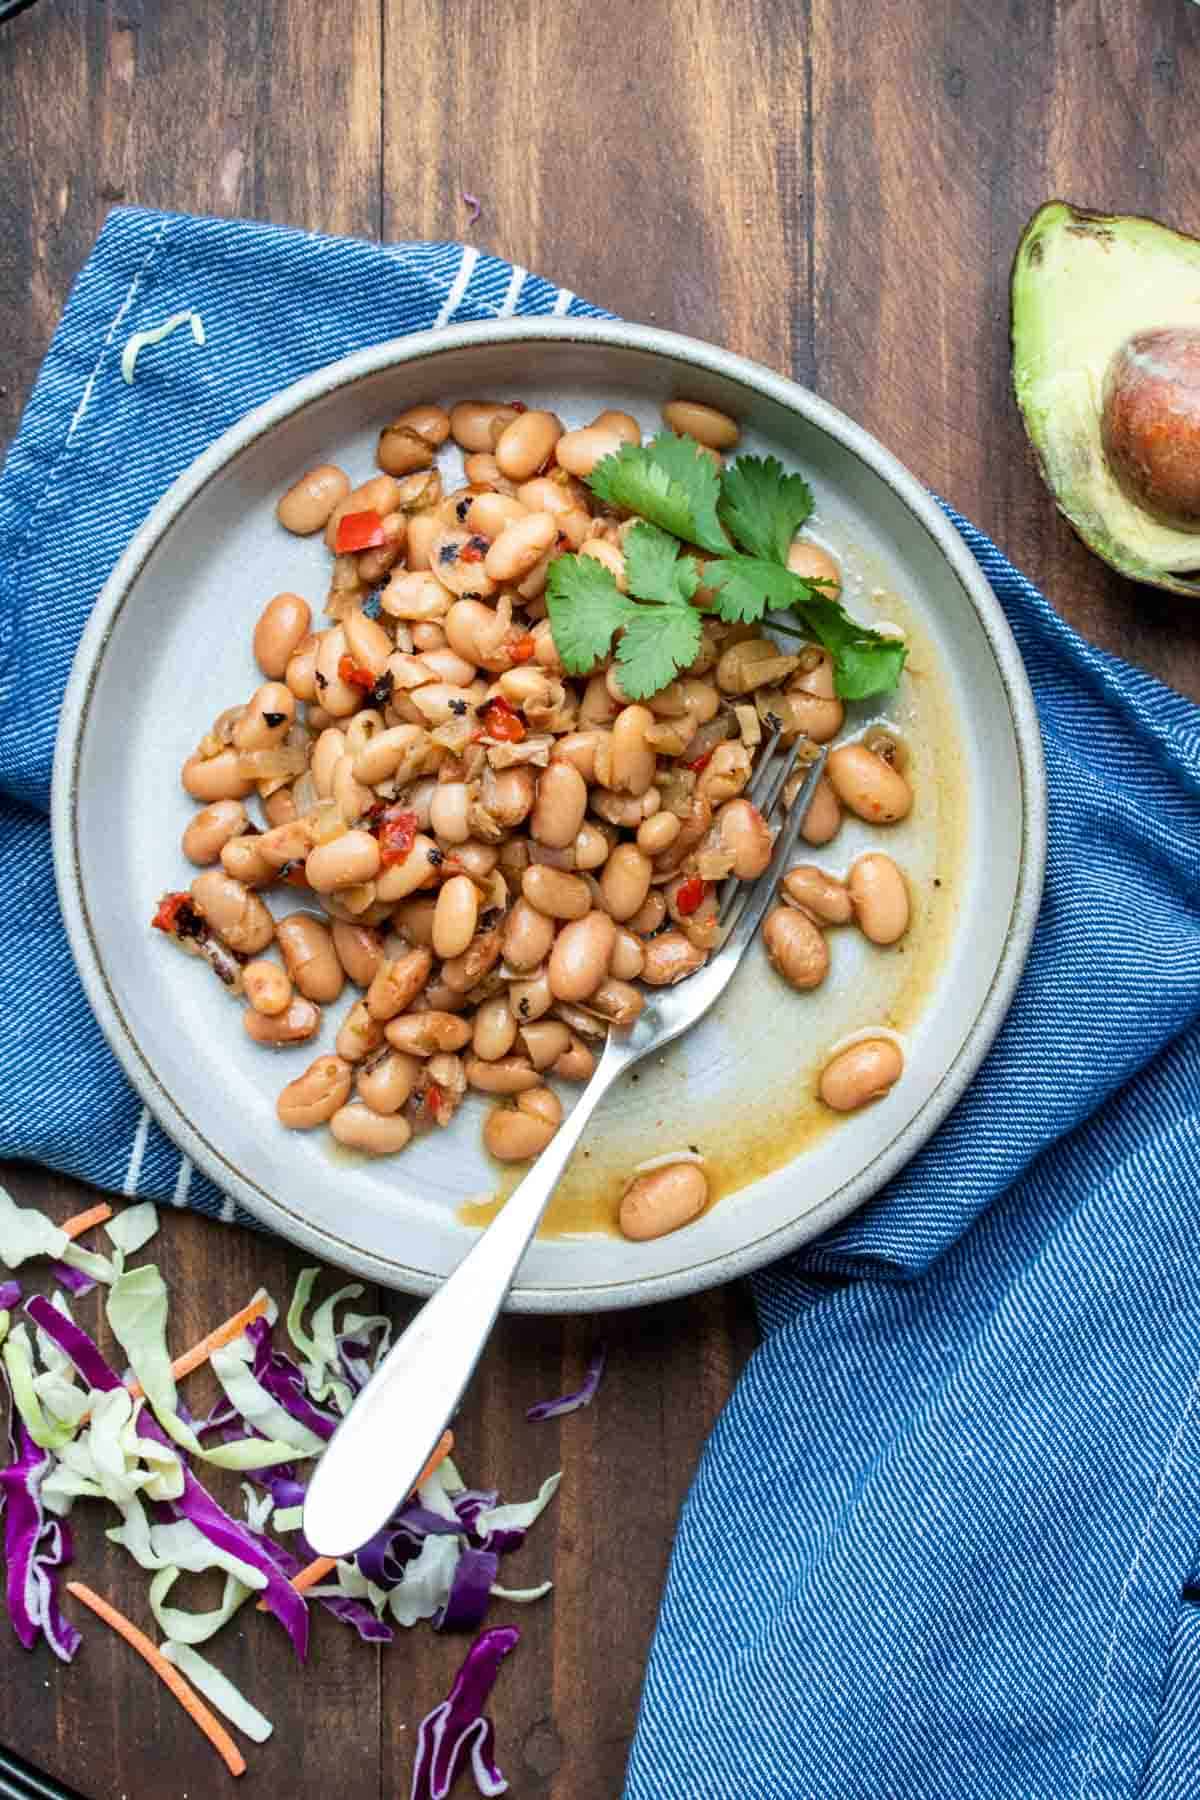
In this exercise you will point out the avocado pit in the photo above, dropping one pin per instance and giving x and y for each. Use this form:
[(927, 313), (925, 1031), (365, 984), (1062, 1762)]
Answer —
[(1150, 422)]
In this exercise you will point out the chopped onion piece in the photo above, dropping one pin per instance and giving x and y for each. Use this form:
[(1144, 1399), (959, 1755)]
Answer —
[(261, 765), (305, 795), (669, 1156), (749, 725)]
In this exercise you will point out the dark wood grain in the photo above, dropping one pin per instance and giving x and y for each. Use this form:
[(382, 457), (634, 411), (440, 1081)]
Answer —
[(834, 188)]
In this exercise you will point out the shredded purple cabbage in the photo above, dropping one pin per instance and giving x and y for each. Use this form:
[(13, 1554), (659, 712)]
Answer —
[(214, 1523), (222, 1413), (74, 1280), (583, 1396), (280, 1482), (472, 1501), (384, 1557), (354, 1354), (195, 1503), (10, 1295), (470, 1591), (281, 1379), (35, 1550), (74, 1342), (457, 1728), (358, 1613)]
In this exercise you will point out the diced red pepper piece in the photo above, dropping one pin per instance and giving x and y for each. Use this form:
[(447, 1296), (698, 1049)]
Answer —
[(691, 896), (169, 909), (518, 406), (295, 876), (524, 649), (397, 832), (501, 721), (470, 553), (701, 762), (434, 1099), (354, 674), (359, 531)]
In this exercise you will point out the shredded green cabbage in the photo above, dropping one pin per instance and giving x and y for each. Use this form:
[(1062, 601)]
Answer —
[(26, 1232), (231, 1366), (138, 341), (137, 1312), (219, 1691), (47, 1431), (519, 1513), (132, 1229), (193, 1627), (523, 1595)]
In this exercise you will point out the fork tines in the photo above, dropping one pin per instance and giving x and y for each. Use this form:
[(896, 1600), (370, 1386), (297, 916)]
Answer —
[(776, 765)]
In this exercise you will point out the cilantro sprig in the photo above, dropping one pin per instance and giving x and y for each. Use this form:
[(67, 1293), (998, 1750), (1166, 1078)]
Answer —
[(745, 519), (657, 639)]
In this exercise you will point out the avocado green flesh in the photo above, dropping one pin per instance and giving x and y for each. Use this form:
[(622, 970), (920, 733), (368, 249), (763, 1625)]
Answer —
[(1082, 284)]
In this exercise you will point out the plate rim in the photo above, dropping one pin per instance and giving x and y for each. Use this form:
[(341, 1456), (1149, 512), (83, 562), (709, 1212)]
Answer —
[(726, 1265)]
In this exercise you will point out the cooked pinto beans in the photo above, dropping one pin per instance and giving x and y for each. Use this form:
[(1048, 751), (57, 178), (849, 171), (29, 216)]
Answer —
[(501, 850)]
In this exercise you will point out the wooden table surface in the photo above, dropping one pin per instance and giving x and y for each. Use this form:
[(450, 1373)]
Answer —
[(834, 187)]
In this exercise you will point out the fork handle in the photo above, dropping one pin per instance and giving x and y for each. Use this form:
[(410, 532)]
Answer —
[(374, 1458)]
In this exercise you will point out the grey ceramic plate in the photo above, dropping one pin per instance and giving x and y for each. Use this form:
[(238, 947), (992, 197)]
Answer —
[(168, 647)]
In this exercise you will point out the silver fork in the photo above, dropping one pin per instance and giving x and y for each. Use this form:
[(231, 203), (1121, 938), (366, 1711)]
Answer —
[(378, 1451)]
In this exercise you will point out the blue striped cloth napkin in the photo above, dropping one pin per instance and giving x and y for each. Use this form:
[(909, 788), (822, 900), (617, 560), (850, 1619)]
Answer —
[(944, 1541)]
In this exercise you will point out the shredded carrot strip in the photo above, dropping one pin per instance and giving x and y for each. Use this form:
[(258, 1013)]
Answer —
[(318, 1569), (309, 1576), (95, 1215), (224, 1334), (183, 1691), (445, 1445)]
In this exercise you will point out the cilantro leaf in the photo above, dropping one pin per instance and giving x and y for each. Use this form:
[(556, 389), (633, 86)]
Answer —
[(657, 642), (585, 607), (654, 568), (762, 507), (864, 661), (687, 465), (747, 587), (667, 482)]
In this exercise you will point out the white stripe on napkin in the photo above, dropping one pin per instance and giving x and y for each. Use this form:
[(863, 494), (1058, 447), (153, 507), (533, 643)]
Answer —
[(458, 288), (509, 303), (565, 297), (183, 1182), (109, 335), (129, 1186)]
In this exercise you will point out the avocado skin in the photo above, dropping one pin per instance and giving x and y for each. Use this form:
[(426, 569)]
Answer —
[(1061, 348)]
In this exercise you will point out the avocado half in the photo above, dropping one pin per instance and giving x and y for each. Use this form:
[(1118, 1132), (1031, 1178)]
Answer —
[(1083, 284)]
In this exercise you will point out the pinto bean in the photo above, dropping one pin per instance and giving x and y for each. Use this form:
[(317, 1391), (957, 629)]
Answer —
[(579, 959), (398, 982), (358, 1128), (314, 1097), (661, 1200), (312, 961), (796, 948), (868, 785), (300, 1021), (862, 1073), (211, 829), (238, 917)]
